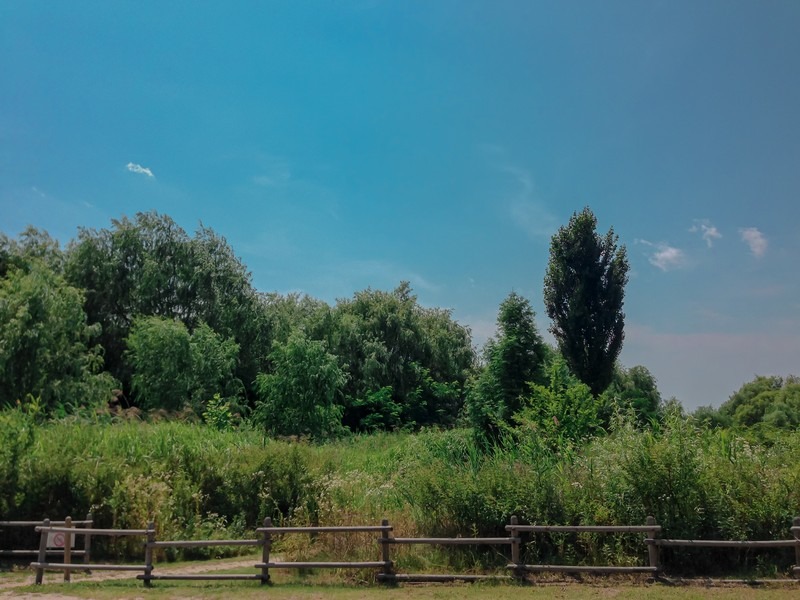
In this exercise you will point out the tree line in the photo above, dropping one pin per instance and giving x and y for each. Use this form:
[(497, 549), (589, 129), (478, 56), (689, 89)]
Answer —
[(164, 320), (142, 314)]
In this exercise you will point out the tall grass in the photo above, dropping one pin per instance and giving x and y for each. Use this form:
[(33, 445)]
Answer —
[(195, 481)]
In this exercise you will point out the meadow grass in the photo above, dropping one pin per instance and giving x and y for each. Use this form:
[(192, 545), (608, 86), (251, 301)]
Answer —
[(315, 589), (197, 482)]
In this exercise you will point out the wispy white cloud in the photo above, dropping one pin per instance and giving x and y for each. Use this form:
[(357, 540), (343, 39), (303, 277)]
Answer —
[(38, 192), (134, 168), (664, 256), (706, 230), (275, 172), (755, 240), (529, 212), (491, 149)]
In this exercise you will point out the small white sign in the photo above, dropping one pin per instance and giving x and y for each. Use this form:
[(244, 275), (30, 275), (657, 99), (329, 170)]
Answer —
[(56, 540)]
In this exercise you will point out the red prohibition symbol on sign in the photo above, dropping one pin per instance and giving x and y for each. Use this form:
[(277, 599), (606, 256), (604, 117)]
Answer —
[(58, 540)]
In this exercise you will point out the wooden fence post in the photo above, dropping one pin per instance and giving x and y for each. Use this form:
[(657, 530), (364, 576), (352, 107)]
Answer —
[(265, 548), (42, 552), (67, 550), (148, 554), (515, 546), (385, 555), (87, 543), (652, 548), (796, 532)]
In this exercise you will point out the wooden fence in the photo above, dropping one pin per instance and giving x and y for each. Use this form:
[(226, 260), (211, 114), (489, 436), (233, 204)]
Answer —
[(17, 553), (651, 529), (268, 530), (795, 541), (153, 544), (517, 569), (68, 531)]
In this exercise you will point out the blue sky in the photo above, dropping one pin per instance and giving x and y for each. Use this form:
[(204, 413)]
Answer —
[(341, 145)]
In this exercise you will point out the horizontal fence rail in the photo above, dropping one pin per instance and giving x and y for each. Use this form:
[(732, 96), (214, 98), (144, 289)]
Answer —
[(586, 528), (205, 543), (727, 543), (386, 566), (337, 529), (107, 532), (451, 541), (75, 523)]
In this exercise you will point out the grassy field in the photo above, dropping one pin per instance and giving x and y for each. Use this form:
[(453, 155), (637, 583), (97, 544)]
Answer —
[(289, 585), (109, 590), (329, 585), (198, 483)]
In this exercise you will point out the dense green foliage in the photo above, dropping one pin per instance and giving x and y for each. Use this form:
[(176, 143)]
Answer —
[(584, 292), (16, 438), (197, 481), (633, 390), (171, 365), (300, 396), (45, 349), (169, 322), (514, 361), (561, 413), (763, 408), (406, 365), (150, 267), (558, 436)]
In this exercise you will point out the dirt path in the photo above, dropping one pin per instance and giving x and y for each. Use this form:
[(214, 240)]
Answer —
[(210, 566)]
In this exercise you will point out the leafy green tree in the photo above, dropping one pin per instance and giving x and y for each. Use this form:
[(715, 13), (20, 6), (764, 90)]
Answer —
[(214, 360), (300, 396), (287, 313), (406, 365), (217, 414), (711, 418), (32, 245), (149, 266), (172, 367), (584, 291), (765, 403), (136, 268), (564, 411), (160, 356), (44, 342), (224, 298), (514, 360), (632, 389)]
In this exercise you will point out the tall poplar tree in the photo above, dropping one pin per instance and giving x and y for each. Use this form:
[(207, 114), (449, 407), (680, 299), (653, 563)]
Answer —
[(584, 292)]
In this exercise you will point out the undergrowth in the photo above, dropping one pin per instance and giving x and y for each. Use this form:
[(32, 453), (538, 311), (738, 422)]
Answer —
[(196, 481)]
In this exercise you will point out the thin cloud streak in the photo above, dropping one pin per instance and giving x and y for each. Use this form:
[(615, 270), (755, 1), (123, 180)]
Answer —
[(134, 168), (529, 214), (755, 241)]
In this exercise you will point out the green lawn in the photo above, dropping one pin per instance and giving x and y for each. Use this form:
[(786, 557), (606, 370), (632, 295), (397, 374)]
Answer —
[(288, 587)]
